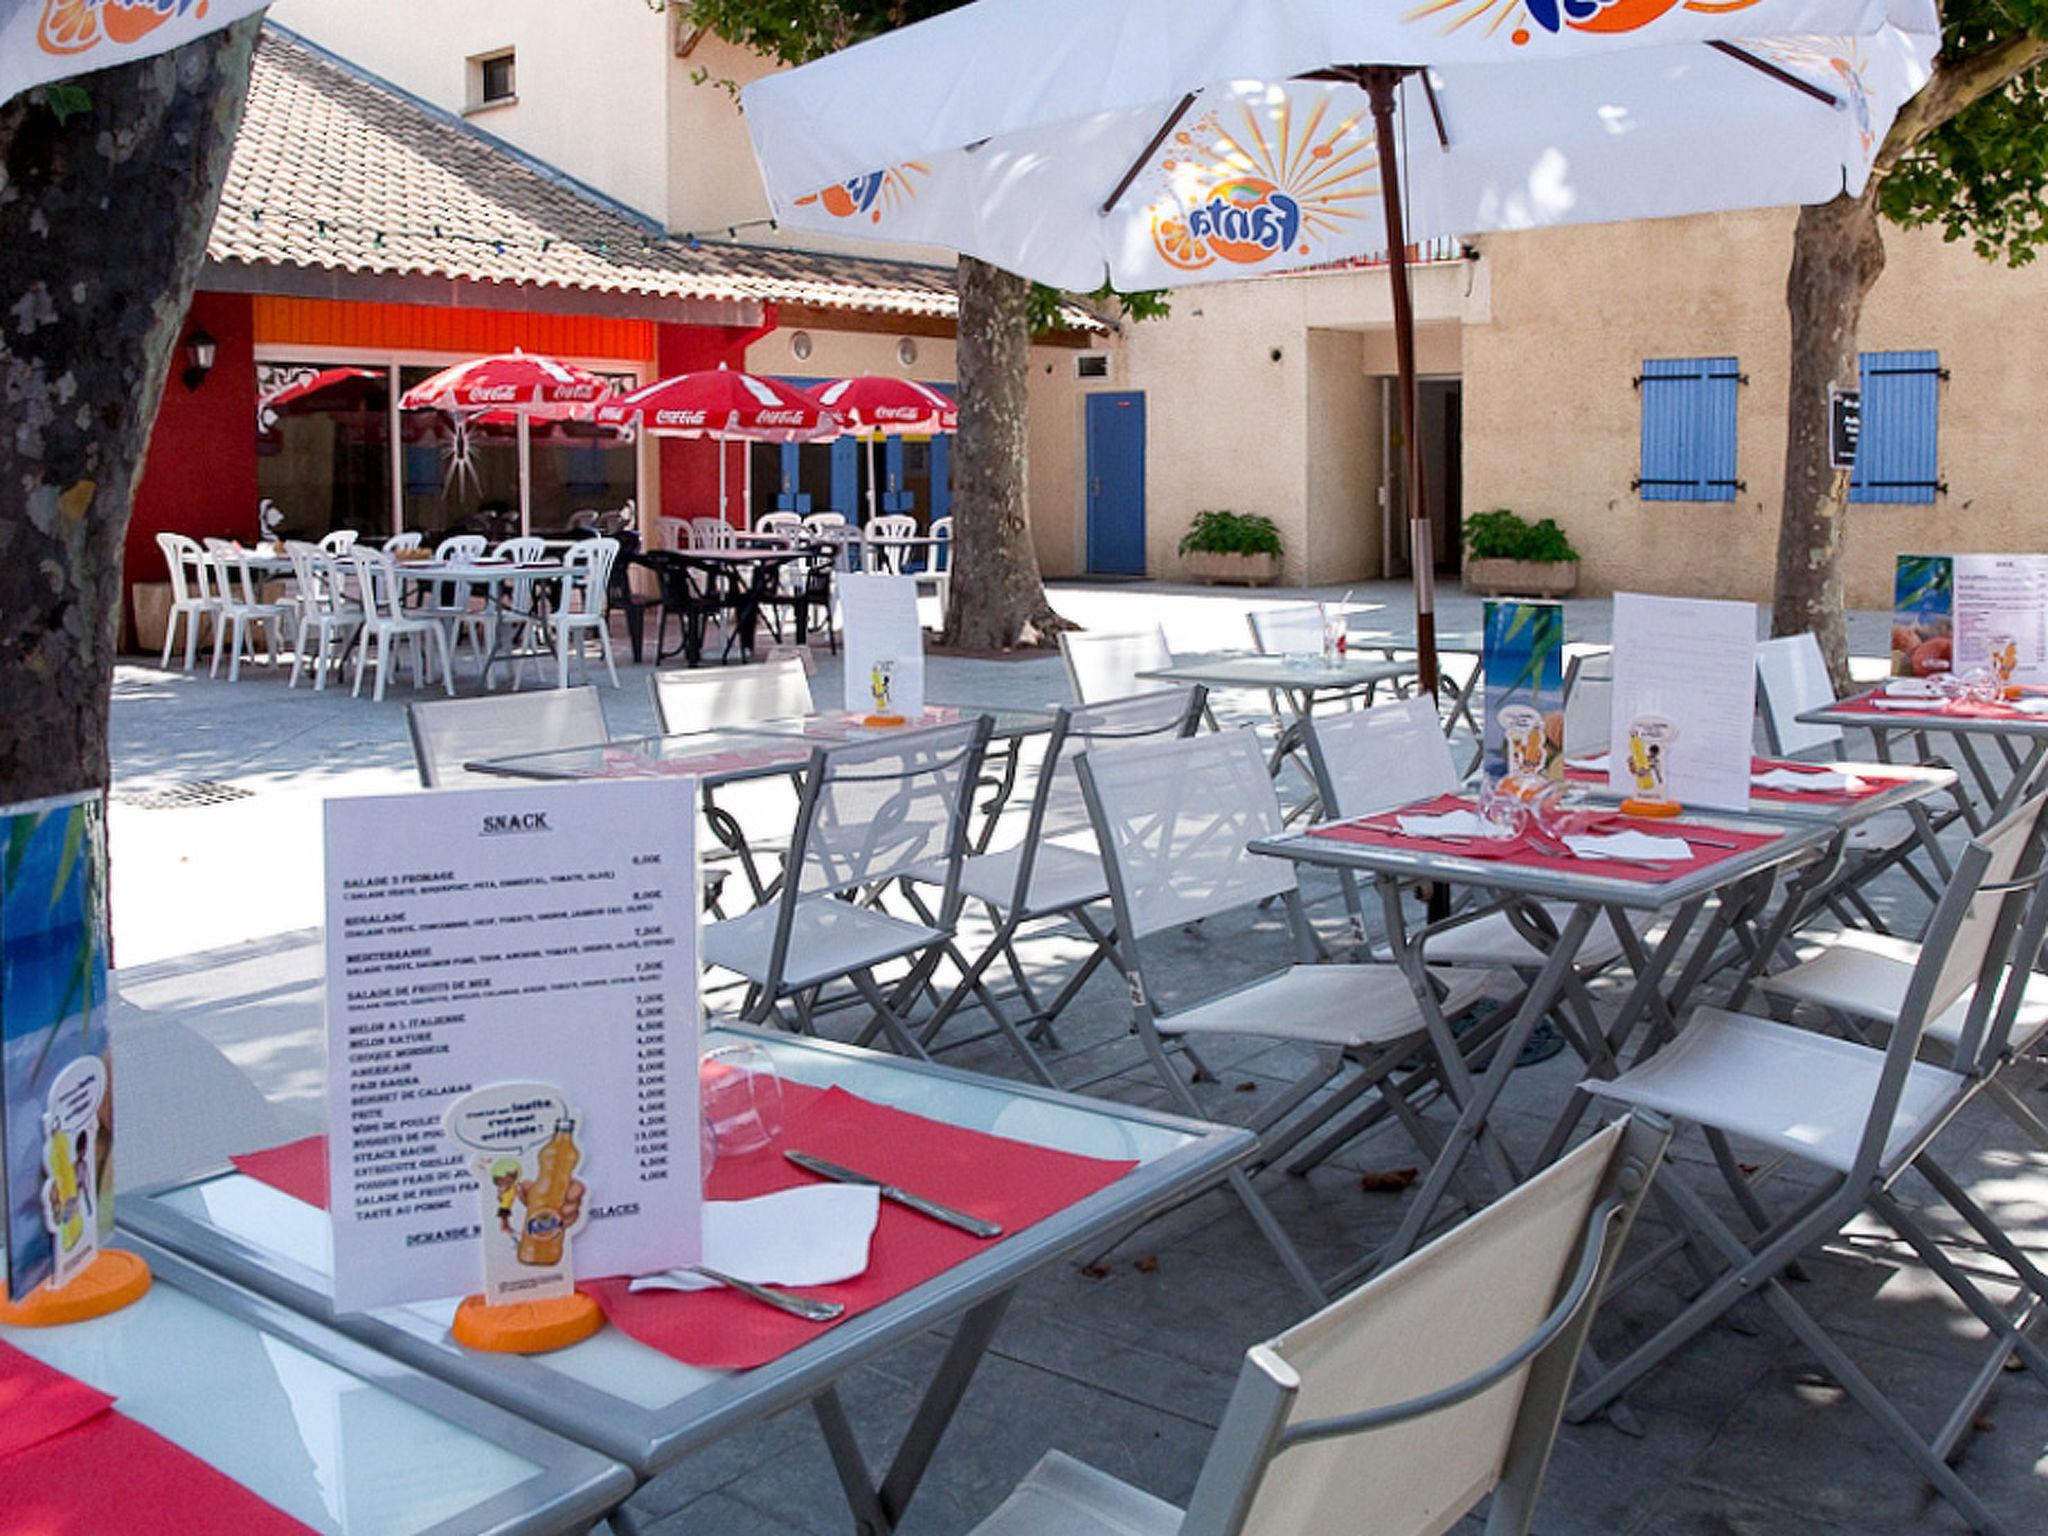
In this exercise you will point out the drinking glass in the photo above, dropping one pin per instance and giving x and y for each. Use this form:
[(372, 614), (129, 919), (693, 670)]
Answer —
[(741, 1093)]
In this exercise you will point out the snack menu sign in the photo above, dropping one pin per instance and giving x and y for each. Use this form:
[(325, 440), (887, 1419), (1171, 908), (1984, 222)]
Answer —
[(512, 1022)]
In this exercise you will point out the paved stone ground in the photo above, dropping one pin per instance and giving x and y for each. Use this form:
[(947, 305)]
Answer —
[(1742, 1435)]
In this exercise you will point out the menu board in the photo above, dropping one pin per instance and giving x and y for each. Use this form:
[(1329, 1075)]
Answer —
[(56, 1113), (884, 646), (2001, 605), (1923, 615), (1684, 699), (1523, 664), (541, 938)]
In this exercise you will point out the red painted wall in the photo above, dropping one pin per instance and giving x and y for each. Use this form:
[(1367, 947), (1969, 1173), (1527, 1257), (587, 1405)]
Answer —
[(199, 477), (689, 466)]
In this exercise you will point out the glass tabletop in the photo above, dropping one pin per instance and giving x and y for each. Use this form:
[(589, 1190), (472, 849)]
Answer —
[(1255, 669), (716, 757), (643, 1406), (1007, 722), (341, 1440)]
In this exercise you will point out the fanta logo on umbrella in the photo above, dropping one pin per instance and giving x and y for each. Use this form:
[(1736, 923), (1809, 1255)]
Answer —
[(1555, 16), (1246, 221), (874, 194), (76, 26)]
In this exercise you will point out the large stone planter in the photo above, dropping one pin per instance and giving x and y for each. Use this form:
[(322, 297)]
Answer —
[(1522, 578), (1241, 570)]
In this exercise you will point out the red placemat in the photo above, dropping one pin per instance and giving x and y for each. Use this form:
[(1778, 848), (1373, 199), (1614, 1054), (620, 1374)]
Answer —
[(1857, 787), (38, 1401), (1381, 831), (1938, 709), (299, 1168), (1008, 1182), (111, 1474)]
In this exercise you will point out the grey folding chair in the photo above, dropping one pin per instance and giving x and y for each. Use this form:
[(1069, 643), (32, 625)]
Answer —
[(1054, 872), (872, 813), (449, 734), (1173, 820), (1588, 704), (1102, 666), (1398, 1409), (1862, 1115)]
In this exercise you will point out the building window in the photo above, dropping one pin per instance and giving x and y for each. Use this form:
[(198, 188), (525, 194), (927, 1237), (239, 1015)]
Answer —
[(1897, 455), (1688, 449), (492, 82)]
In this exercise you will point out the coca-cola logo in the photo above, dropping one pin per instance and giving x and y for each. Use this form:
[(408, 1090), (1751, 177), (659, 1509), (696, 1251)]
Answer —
[(680, 418), (492, 394)]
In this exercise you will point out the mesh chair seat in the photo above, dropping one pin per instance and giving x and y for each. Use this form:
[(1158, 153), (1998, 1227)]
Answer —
[(1865, 974), (1797, 1092), (1341, 1005), (827, 939), (1064, 1497), (1060, 878), (1494, 943)]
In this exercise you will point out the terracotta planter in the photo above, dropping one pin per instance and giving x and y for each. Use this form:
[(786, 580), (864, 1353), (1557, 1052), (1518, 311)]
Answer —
[(1242, 570), (1522, 578)]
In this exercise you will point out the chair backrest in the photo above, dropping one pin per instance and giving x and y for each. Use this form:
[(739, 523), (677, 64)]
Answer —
[(883, 554), (1294, 630), (703, 699), (339, 542), (410, 539), (942, 551), (1369, 760), (461, 546), (1588, 704), (1439, 1381), (1794, 678), (711, 533), (184, 559), (377, 581), (785, 525), (527, 549), (449, 733), (1172, 820), (314, 572), (671, 533), (233, 582), (1102, 666), (588, 588), (819, 522)]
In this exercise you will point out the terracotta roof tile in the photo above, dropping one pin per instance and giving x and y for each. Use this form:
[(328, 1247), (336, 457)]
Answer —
[(336, 170)]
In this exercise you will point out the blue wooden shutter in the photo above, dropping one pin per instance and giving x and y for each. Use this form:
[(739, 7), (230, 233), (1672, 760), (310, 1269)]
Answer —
[(1898, 458), (1688, 432)]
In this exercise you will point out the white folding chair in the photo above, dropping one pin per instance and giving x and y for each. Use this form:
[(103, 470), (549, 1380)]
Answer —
[(880, 547), (1293, 630), (704, 699), (1396, 1410), (872, 813), (450, 734), (386, 625), (583, 613), (325, 614), (1104, 666), (1053, 872), (1173, 820), (1861, 1116), (191, 597)]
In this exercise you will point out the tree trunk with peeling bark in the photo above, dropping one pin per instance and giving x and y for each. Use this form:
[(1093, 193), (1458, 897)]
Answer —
[(998, 599), (103, 225), (1837, 256)]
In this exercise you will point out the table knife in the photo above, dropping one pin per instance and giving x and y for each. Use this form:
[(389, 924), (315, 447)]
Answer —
[(972, 1225)]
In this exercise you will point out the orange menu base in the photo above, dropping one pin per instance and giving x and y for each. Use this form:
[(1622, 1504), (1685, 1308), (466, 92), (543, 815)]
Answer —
[(1635, 807), (108, 1284), (883, 721), (526, 1327)]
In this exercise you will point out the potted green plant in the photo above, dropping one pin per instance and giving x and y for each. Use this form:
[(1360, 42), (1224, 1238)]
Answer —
[(1222, 545), (1508, 556)]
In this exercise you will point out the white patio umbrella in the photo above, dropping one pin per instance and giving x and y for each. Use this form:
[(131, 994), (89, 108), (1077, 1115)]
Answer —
[(1157, 143)]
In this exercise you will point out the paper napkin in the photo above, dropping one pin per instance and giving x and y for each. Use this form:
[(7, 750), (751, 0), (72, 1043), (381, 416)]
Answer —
[(815, 1234), (1450, 824), (1634, 846), (1794, 778)]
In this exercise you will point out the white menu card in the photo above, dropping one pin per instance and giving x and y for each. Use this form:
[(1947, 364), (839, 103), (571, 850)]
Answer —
[(883, 645), (1690, 662), (538, 934), (2003, 597)]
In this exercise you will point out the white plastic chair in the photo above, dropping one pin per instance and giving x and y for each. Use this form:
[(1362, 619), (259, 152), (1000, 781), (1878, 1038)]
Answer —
[(1396, 1410), (872, 813), (582, 614), (526, 549), (711, 533), (824, 522), (1860, 1117), (191, 596), (937, 567), (325, 614), (386, 625), (781, 525), (1104, 666), (1173, 820), (237, 610), (673, 533), (880, 550), (400, 542), (458, 547), (338, 542), (450, 734), (704, 699)]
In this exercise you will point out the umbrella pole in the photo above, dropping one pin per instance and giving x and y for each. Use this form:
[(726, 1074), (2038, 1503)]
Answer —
[(724, 512), (1380, 82), (871, 476), (525, 476)]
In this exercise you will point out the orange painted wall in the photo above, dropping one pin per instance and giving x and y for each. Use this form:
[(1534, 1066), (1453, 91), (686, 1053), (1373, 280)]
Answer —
[(468, 332)]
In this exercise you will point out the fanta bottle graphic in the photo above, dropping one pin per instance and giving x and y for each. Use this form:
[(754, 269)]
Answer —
[(540, 1243), (70, 1205)]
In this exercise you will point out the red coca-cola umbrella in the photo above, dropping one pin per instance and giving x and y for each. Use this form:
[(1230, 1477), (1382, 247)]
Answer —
[(724, 405), (887, 407), (523, 386)]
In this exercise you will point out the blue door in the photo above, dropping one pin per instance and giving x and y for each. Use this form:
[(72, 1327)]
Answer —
[(1116, 484)]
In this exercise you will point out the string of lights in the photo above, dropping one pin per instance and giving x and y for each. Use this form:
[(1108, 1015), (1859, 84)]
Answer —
[(377, 233)]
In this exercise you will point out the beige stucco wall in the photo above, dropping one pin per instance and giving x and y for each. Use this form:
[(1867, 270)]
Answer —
[(1551, 422), (1344, 453), (592, 77)]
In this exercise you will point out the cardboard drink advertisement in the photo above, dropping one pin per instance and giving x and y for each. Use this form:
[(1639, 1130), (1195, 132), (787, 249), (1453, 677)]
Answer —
[(884, 648), (56, 1105), (1923, 615), (1684, 702), (1524, 675), (522, 1138)]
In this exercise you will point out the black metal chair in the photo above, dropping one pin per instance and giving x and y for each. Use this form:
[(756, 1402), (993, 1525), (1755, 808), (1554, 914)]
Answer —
[(807, 596), (692, 601), (625, 600)]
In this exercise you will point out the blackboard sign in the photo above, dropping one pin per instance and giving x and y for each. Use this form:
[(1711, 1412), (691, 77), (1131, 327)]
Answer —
[(1845, 426)]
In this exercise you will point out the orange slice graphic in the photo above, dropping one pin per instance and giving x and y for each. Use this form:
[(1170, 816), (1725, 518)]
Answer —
[(1179, 248), (68, 26)]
